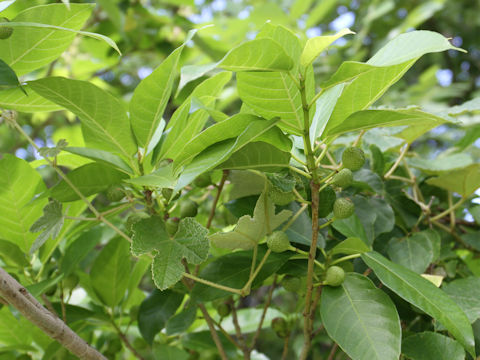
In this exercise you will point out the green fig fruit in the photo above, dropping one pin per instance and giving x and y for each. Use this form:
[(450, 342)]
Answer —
[(5, 31), (223, 310), (172, 225), (343, 179), (353, 158), (188, 208), (278, 241), (280, 327), (292, 283), (203, 180), (343, 208), (115, 193), (334, 276)]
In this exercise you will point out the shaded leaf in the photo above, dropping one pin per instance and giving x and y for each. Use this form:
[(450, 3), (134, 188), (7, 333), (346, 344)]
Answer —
[(466, 293), (429, 345), (50, 224), (464, 181)]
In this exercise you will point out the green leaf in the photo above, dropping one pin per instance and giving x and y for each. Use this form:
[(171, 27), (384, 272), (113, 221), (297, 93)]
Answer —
[(233, 270), (8, 76), (89, 179), (316, 45), (250, 230), (15, 99), (352, 227), (190, 73), (11, 254), (79, 249), (361, 319), (415, 252), (29, 24), (347, 71), (273, 94), (184, 126), (429, 345), (163, 177), (190, 243), (257, 155), (257, 55), (464, 181), (368, 119), (105, 124), (19, 183), (424, 295), (155, 310), (101, 156), (323, 109), (442, 164), (30, 49), (179, 323), (393, 60), (466, 293), (147, 235), (169, 352), (12, 330), (151, 96), (351, 245), (50, 224), (110, 272), (214, 155), (51, 152)]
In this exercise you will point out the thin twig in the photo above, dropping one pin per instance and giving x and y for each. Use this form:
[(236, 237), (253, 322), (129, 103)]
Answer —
[(285, 347), (332, 352), (397, 162), (124, 339), (215, 202), (264, 313)]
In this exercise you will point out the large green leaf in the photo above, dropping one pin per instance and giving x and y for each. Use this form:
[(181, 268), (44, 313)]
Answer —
[(323, 109), (264, 131), (351, 245), (90, 179), (466, 293), (184, 126), (163, 177), (155, 310), (316, 45), (15, 99), (11, 254), (13, 331), (101, 156), (233, 270), (151, 96), (464, 181), (393, 60), (361, 319), (259, 156), (424, 295), (429, 345), (257, 55), (250, 230), (110, 272), (442, 164), (18, 185), (29, 49), (415, 252), (105, 124), (368, 119), (7, 75)]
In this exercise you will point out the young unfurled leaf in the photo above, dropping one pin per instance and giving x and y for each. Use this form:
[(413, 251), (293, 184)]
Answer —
[(53, 151), (249, 231), (50, 223), (190, 242)]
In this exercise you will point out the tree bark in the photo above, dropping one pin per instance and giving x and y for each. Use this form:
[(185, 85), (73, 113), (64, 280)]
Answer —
[(16, 295)]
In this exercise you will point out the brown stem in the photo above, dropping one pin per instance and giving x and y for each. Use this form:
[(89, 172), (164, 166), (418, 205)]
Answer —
[(236, 324), (126, 342), (215, 202), (332, 352), (264, 313), (285, 348), (28, 306), (314, 307)]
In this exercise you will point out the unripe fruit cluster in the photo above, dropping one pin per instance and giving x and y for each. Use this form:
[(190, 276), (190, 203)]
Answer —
[(343, 208), (353, 158)]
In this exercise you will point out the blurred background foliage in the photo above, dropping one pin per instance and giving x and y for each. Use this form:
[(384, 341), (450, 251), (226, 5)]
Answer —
[(148, 30)]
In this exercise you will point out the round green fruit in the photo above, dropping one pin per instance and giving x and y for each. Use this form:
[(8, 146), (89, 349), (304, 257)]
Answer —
[(172, 225), (203, 180), (334, 276), (326, 199), (353, 158), (223, 310), (5, 31), (115, 193), (280, 326), (188, 208), (292, 283), (343, 208), (343, 179), (278, 242)]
